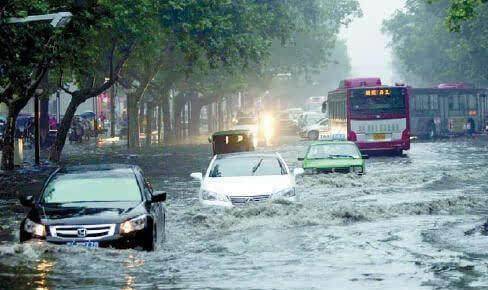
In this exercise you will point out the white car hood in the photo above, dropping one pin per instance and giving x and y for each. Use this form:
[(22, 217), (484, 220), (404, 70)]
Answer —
[(248, 185)]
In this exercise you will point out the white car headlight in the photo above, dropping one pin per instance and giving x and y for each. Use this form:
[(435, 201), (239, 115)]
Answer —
[(135, 224), (35, 229), (288, 192), (213, 196)]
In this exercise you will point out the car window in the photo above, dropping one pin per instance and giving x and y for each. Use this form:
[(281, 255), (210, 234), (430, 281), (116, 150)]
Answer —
[(247, 166), (332, 151), (92, 186)]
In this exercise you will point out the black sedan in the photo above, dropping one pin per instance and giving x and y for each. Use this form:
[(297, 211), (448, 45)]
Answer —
[(96, 206)]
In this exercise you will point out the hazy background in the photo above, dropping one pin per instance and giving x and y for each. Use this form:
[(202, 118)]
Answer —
[(367, 46)]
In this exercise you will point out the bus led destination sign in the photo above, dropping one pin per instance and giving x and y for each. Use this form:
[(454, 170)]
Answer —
[(379, 92)]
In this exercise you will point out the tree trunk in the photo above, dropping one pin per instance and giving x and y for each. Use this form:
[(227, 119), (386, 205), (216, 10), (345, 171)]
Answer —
[(220, 116), (9, 139), (159, 124), (209, 118), (196, 108), (167, 132), (133, 124), (63, 130), (149, 119)]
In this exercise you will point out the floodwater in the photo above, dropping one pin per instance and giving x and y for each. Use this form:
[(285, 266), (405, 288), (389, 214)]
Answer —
[(412, 222)]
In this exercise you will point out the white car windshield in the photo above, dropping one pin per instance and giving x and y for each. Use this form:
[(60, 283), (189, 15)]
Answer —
[(321, 151), (247, 166)]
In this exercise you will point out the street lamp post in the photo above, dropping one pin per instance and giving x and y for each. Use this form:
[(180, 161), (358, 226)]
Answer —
[(58, 20)]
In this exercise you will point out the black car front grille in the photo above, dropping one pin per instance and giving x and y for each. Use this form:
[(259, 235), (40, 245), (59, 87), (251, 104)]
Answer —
[(243, 200), (82, 232)]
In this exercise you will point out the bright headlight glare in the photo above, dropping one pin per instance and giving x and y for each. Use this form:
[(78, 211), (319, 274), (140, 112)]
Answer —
[(213, 196), (135, 224), (289, 192), (35, 229)]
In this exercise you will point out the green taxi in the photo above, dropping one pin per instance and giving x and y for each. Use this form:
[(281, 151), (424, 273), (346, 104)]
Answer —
[(333, 156)]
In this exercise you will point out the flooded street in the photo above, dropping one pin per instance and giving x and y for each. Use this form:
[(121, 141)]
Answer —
[(412, 222)]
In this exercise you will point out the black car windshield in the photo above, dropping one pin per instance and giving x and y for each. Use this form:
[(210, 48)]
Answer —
[(247, 166), (322, 151), (92, 187)]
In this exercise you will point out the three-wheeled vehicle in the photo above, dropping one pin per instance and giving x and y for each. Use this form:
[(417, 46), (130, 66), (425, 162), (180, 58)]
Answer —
[(232, 141)]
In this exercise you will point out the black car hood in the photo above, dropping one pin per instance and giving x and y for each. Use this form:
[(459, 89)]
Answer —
[(88, 213)]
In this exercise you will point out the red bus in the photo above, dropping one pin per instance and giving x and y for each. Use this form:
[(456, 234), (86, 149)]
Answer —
[(374, 116)]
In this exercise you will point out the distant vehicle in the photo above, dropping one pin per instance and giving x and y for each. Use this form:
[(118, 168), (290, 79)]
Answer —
[(294, 113), (96, 206), (246, 178), (287, 126), (247, 123), (312, 132), (448, 110), (313, 104), (309, 118), (374, 116), (333, 156), (232, 141)]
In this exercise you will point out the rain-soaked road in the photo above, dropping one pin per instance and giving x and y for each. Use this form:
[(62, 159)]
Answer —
[(412, 222)]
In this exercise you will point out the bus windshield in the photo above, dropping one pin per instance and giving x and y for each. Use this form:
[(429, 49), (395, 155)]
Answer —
[(378, 100)]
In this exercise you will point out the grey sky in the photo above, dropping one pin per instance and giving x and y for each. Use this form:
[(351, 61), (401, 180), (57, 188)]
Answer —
[(366, 44)]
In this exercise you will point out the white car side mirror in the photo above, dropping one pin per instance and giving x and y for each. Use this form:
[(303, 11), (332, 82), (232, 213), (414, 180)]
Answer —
[(197, 175), (298, 171)]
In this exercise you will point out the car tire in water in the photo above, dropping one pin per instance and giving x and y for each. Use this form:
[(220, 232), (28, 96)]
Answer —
[(313, 135), (150, 242)]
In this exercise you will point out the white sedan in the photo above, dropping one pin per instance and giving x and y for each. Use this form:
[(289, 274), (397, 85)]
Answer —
[(246, 178)]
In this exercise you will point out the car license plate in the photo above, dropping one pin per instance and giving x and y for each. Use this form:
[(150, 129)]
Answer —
[(379, 136), (84, 244)]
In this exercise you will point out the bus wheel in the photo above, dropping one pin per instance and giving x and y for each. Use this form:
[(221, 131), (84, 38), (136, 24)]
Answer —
[(313, 135)]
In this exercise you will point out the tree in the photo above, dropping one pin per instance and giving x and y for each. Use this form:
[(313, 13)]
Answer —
[(427, 53), (461, 11)]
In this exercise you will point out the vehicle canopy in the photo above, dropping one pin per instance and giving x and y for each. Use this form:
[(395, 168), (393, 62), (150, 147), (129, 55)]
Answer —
[(232, 141)]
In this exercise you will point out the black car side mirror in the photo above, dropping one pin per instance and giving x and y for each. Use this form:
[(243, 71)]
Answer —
[(365, 156), (27, 200), (301, 158), (159, 196)]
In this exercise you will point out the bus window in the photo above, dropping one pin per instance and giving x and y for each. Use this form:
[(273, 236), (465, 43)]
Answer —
[(434, 103), (453, 103), (472, 102), (462, 102)]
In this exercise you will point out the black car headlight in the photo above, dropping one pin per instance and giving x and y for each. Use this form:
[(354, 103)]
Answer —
[(135, 224), (37, 230)]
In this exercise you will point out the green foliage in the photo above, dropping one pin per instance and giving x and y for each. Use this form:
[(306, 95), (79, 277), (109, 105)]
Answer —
[(461, 11), (426, 53)]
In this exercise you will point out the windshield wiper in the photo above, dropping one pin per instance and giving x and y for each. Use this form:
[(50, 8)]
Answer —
[(256, 167)]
